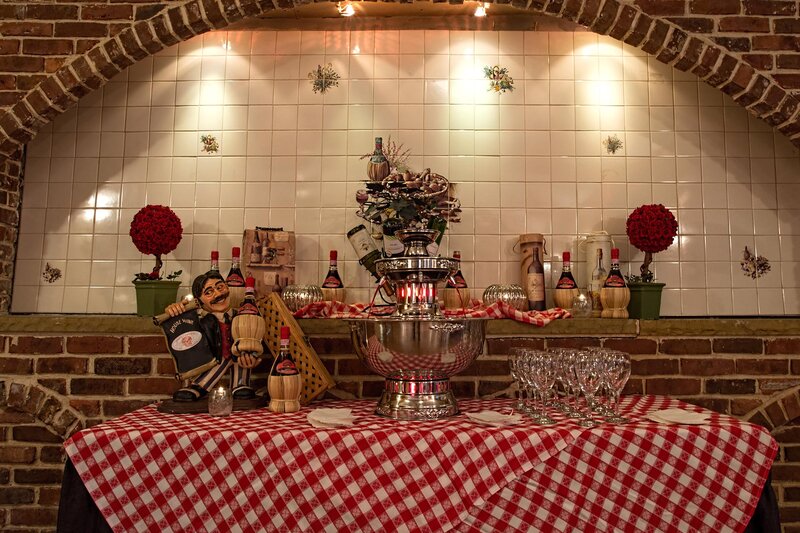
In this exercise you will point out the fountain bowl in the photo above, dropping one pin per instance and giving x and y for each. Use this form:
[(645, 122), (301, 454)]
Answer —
[(417, 356)]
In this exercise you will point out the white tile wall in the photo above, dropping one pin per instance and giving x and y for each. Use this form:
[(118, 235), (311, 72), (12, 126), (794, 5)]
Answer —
[(527, 161)]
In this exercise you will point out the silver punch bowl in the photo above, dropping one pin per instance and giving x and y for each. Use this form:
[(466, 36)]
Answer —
[(417, 356)]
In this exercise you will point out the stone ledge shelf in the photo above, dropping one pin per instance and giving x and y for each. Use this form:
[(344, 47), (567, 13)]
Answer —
[(667, 327)]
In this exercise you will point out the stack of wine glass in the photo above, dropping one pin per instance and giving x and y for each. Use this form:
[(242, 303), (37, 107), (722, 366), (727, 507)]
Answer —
[(582, 384)]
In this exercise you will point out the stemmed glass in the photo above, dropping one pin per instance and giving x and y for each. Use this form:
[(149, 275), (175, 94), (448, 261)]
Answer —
[(516, 371), (543, 370), (565, 373), (617, 370), (588, 369)]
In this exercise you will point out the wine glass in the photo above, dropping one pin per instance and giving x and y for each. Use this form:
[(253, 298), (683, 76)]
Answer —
[(581, 305), (542, 365), (618, 371), (514, 359), (588, 371), (565, 373)]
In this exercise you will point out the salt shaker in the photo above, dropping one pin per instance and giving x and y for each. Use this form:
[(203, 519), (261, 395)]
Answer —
[(220, 401)]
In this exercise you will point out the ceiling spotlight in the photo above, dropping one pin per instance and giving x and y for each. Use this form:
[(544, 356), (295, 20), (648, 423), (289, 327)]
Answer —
[(345, 9), (480, 11)]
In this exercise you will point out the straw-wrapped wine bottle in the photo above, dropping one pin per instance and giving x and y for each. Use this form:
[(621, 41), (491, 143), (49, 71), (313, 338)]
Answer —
[(248, 326), (285, 382), (378, 165)]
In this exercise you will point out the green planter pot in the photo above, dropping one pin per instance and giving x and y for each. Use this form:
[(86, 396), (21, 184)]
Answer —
[(153, 296), (645, 300)]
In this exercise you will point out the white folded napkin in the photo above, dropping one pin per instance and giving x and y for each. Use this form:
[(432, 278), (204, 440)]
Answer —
[(330, 418), (493, 418), (678, 416)]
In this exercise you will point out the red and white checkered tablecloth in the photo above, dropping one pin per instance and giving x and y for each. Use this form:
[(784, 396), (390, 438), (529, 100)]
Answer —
[(257, 471), (641, 476)]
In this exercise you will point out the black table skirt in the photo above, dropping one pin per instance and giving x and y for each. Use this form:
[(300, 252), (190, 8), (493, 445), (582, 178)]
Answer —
[(77, 512)]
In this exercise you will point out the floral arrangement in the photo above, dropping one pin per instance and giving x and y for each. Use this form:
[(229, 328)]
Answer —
[(418, 200), (612, 144), (500, 79), (156, 230), (651, 228), (323, 78)]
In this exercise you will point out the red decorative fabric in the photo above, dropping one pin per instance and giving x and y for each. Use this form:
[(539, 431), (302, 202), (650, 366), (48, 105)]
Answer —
[(333, 309), (261, 471)]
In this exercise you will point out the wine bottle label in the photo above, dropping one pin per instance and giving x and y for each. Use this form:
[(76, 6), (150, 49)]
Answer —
[(392, 245), (362, 243), (332, 282), (535, 287), (614, 280), (566, 283), (248, 308), (235, 280), (286, 368)]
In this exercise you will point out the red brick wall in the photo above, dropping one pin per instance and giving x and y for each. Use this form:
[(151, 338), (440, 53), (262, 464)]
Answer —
[(54, 53), (55, 385)]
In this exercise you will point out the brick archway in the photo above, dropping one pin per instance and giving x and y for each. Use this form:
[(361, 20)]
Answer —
[(676, 41), (782, 408)]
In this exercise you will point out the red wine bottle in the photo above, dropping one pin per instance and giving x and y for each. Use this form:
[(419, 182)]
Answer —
[(457, 281), (235, 277), (615, 278), (566, 281), (536, 296), (249, 305), (332, 279), (214, 261)]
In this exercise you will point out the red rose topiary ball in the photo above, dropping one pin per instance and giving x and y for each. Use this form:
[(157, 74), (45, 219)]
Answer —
[(156, 230), (651, 228)]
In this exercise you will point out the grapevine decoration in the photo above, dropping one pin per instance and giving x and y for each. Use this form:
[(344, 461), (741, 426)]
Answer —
[(754, 266), (500, 81), (156, 230), (651, 228), (51, 274), (210, 144), (323, 78)]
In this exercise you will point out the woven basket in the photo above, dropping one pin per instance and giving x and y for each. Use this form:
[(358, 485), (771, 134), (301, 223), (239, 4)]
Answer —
[(316, 379)]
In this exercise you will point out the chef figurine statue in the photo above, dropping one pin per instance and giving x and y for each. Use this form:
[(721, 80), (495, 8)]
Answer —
[(216, 315)]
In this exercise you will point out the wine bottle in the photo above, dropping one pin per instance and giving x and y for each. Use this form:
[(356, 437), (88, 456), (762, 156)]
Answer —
[(378, 165), (276, 288), (332, 279), (248, 327), (392, 247), (284, 383), (598, 279), (566, 288), (249, 305), (235, 279), (365, 249), (457, 281), (440, 225), (214, 261), (535, 288), (566, 281), (456, 294), (255, 250), (615, 278)]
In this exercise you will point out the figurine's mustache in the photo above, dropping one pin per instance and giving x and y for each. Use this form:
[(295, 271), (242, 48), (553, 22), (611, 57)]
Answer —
[(219, 298)]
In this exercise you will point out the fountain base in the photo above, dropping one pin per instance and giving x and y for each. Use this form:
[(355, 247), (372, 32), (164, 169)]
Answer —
[(417, 396)]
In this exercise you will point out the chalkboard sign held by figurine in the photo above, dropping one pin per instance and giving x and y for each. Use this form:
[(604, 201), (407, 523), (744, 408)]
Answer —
[(207, 338)]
